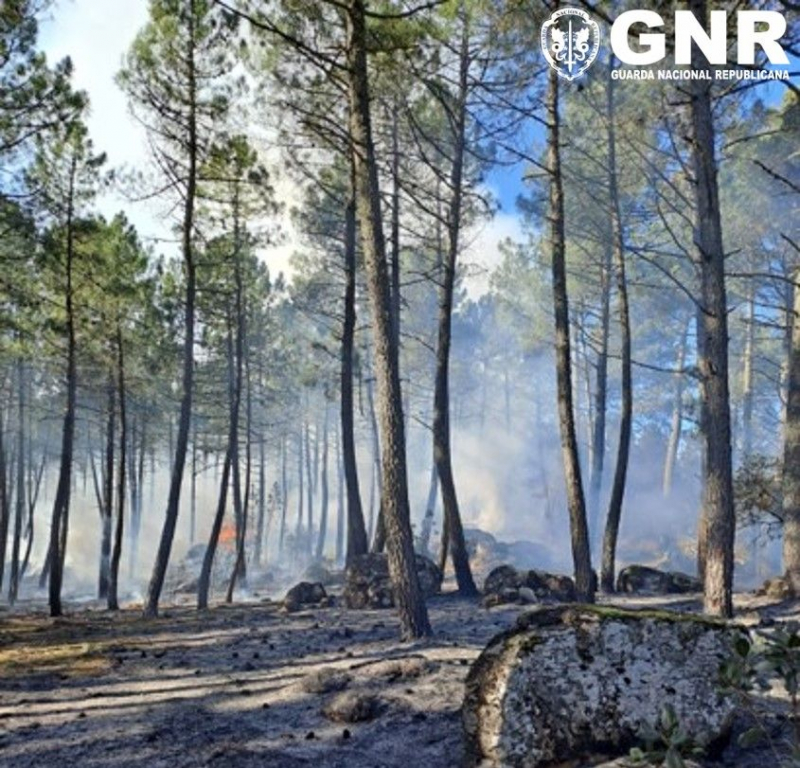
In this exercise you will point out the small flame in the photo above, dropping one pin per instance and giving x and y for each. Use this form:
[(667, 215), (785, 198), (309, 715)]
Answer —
[(227, 535)]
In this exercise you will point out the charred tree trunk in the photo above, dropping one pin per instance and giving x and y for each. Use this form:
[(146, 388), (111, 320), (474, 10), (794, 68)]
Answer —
[(576, 502), (399, 544)]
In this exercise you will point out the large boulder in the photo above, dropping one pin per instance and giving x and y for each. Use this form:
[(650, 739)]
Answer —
[(643, 580), (505, 584), (571, 681), (367, 583)]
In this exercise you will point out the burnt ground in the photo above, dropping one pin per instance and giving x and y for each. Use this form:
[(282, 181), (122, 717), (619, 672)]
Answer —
[(242, 686)]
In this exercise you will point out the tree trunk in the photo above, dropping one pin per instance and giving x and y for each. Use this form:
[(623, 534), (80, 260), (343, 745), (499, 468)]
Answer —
[(718, 492), (298, 529), (579, 532), (791, 455), (113, 576), (309, 547), (262, 502), (399, 544), (674, 441), (323, 510), (231, 452), (5, 511), (59, 521), (626, 416), (20, 501), (430, 512), (107, 505), (184, 424), (747, 376), (600, 397), (340, 516), (441, 402), (284, 497)]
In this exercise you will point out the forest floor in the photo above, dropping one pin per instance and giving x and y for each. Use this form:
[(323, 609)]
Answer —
[(244, 685)]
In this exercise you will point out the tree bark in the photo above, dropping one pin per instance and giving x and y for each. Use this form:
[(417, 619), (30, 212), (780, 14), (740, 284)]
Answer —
[(600, 396), (576, 502), (441, 402), (20, 500), (626, 416), (673, 443), (113, 576), (107, 499), (399, 543), (59, 521), (356, 530), (791, 455), (231, 452), (718, 491), (323, 510), (187, 384)]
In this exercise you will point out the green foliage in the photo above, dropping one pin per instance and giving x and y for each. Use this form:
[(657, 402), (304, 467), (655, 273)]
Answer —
[(666, 743), (757, 664)]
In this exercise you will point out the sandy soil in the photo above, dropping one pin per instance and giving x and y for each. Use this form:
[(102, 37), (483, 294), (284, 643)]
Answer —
[(243, 686)]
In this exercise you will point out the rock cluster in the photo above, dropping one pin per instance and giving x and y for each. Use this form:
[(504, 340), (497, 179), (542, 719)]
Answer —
[(367, 583), (567, 680), (643, 580), (505, 584)]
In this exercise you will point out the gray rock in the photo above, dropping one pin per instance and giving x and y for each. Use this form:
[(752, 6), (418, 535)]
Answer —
[(569, 679), (505, 584), (527, 595), (367, 583), (303, 595), (352, 707), (643, 580), (325, 681)]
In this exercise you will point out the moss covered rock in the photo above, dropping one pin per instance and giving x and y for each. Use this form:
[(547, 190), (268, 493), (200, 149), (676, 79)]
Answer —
[(572, 681)]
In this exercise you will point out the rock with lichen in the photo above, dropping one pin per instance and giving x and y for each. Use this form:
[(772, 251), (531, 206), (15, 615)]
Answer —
[(567, 680)]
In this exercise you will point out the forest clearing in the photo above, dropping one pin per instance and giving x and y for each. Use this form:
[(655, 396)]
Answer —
[(399, 380)]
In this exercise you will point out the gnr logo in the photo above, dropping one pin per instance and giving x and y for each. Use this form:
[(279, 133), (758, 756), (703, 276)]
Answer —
[(570, 39)]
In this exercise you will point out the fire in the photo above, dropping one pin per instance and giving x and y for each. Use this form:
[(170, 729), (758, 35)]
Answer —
[(227, 535)]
